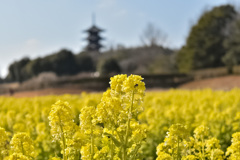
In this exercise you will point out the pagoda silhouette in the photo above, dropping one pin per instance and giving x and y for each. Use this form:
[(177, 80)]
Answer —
[(94, 37)]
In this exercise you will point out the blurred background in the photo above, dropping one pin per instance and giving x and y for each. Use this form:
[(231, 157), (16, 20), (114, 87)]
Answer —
[(59, 46)]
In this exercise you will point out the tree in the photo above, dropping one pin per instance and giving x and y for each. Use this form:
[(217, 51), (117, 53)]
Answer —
[(34, 67), (63, 63), (232, 45), (109, 66), (16, 70), (153, 36), (85, 63), (1, 80), (204, 46)]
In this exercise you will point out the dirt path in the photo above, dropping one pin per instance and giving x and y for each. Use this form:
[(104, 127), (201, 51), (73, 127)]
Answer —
[(220, 83), (48, 91)]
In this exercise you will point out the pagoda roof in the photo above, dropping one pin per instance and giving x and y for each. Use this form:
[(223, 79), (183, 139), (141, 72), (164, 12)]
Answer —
[(92, 47), (94, 38), (94, 28)]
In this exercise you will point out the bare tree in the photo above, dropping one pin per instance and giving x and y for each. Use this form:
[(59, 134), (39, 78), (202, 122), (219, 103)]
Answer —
[(153, 36)]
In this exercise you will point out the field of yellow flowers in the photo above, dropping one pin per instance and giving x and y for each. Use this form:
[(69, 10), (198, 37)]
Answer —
[(123, 123)]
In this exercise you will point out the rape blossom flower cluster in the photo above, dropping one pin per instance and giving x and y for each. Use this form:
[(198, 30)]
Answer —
[(178, 145), (122, 124), (22, 146), (111, 129)]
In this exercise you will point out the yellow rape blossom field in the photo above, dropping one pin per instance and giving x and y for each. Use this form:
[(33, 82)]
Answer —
[(123, 123)]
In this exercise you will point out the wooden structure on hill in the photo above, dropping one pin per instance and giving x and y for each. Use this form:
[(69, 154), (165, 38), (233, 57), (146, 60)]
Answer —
[(94, 38)]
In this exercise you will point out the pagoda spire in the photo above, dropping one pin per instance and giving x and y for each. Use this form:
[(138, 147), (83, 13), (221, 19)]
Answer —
[(93, 18), (94, 37)]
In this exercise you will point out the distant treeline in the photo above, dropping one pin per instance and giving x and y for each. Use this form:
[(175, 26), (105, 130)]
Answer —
[(214, 41), (63, 62)]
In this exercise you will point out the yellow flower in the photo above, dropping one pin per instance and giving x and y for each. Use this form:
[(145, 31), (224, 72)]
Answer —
[(21, 143), (116, 82), (236, 137), (86, 152), (61, 120), (134, 83), (4, 140), (88, 119), (118, 111), (217, 154), (163, 156), (201, 132), (55, 158), (176, 133), (190, 157), (233, 151), (18, 156), (211, 144)]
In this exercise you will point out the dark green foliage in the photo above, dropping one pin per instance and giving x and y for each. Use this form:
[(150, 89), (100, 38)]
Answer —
[(204, 47), (17, 71), (109, 66), (232, 45), (34, 67), (163, 64), (185, 59), (85, 63), (61, 63)]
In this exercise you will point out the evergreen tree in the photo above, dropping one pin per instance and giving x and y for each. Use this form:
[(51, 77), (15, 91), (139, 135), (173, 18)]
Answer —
[(204, 46), (232, 45)]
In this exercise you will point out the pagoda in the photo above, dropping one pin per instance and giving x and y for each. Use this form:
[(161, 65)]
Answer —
[(94, 38)]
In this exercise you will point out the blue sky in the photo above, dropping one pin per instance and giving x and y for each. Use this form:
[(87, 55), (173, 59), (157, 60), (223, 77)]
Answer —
[(36, 28)]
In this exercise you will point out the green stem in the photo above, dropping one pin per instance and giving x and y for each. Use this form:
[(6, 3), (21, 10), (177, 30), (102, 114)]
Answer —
[(112, 151), (172, 154), (22, 148), (115, 126), (92, 144), (203, 153), (63, 138), (212, 155), (127, 131), (178, 150), (136, 151), (1, 156)]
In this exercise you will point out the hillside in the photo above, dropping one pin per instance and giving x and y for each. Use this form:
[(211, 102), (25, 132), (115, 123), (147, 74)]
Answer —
[(143, 60), (137, 60), (218, 83)]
